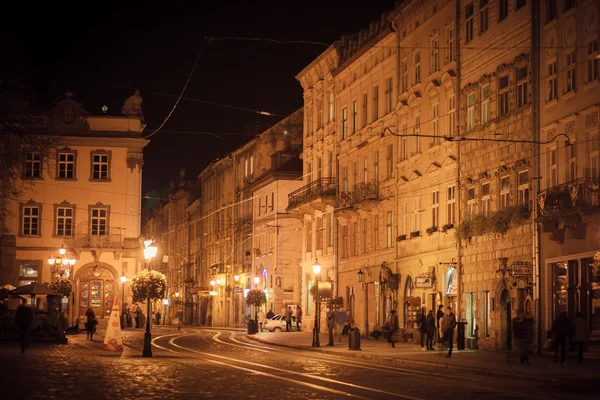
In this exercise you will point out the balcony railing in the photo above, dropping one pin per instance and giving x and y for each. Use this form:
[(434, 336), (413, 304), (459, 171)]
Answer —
[(362, 192), (577, 194), (314, 190), (98, 241)]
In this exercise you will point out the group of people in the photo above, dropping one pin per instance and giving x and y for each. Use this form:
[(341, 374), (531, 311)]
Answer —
[(566, 331), (132, 316)]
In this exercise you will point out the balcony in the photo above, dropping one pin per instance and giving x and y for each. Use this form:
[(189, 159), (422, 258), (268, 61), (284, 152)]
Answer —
[(363, 192), (568, 198), (87, 241), (315, 195)]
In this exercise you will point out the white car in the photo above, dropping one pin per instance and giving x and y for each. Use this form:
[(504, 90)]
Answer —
[(277, 323)]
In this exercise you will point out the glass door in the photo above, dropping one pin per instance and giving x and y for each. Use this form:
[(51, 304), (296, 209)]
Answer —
[(96, 296)]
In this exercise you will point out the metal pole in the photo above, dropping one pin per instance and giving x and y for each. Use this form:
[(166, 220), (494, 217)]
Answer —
[(315, 342), (147, 336), (366, 310)]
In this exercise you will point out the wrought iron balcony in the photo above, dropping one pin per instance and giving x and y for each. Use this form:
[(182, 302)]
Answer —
[(87, 241), (364, 191), (579, 194), (318, 188)]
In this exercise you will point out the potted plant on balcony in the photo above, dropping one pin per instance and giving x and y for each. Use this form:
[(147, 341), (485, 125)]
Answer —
[(447, 227), (401, 238), (415, 234), (431, 230)]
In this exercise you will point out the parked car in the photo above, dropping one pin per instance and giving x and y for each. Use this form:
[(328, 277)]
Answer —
[(277, 323)]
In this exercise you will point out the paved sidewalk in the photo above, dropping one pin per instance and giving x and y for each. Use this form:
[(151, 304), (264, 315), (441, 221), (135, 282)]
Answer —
[(481, 362)]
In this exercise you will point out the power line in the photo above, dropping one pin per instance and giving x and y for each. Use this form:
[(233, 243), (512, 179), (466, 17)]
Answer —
[(253, 39)]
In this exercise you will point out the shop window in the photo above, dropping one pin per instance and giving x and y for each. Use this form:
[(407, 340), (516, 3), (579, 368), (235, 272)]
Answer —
[(28, 274)]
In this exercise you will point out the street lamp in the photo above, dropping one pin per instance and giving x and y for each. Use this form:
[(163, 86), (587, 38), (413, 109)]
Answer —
[(256, 280), (365, 288), (149, 253), (61, 265), (123, 280), (317, 271)]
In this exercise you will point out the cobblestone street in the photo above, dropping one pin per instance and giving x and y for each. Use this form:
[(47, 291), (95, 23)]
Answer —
[(198, 363)]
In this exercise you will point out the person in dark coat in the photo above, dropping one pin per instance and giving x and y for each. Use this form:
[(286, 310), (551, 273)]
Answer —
[(23, 320), (430, 329), (582, 334), (393, 328), (422, 325), (520, 333), (91, 323), (561, 330), (270, 314), (158, 318), (330, 325), (448, 327), (298, 318)]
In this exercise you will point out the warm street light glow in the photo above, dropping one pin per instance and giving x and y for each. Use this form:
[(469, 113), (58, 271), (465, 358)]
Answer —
[(213, 293), (51, 261), (236, 278), (219, 281), (72, 261), (317, 267), (62, 251), (256, 279), (150, 249), (361, 276), (213, 283), (123, 279), (176, 294)]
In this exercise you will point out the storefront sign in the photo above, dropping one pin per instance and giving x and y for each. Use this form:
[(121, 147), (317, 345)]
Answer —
[(238, 290), (423, 282), (522, 270)]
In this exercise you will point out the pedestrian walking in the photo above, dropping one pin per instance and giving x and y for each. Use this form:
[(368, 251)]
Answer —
[(23, 320), (529, 332), (330, 325), (438, 316), (347, 324), (422, 326), (158, 318), (270, 314), (430, 329), (298, 318), (91, 323), (124, 316), (134, 316), (561, 330), (288, 319), (520, 335), (581, 336), (441, 334), (179, 318), (393, 328), (261, 319), (449, 325)]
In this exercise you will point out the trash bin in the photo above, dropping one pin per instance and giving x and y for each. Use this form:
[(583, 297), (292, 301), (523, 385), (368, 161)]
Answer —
[(460, 338), (354, 339), (251, 327)]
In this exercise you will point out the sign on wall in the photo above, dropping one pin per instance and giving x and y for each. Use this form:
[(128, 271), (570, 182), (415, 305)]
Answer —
[(423, 282)]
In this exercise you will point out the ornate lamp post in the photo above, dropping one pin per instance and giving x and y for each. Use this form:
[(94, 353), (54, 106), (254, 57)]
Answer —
[(61, 265), (365, 287), (316, 328), (149, 253)]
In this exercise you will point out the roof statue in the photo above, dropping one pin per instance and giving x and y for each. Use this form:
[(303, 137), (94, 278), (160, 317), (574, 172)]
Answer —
[(132, 107)]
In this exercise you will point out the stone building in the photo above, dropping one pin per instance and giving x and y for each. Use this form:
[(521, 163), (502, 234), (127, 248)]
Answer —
[(84, 196), (569, 163)]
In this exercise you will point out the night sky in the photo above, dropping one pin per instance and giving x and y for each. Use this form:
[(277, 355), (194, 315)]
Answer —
[(102, 53)]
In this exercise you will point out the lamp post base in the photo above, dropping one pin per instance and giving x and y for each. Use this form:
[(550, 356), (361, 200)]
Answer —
[(315, 341), (147, 345)]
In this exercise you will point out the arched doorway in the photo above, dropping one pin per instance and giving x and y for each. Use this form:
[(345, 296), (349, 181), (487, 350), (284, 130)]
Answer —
[(505, 321), (95, 290)]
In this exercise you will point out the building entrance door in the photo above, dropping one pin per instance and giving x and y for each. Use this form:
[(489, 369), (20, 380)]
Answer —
[(96, 291)]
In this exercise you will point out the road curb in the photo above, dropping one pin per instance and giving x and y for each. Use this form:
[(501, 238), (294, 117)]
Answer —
[(437, 366)]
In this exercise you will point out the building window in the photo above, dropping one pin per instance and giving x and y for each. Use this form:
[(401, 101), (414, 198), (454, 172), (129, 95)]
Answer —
[(571, 71), (365, 103), (470, 111), (64, 221), (522, 93), (365, 234), (330, 164), (355, 234), (451, 48), (366, 169), (404, 143), (451, 205), (319, 233), (503, 95), (309, 172), (435, 208), (504, 192), (523, 188), (417, 214), (471, 202), (520, 3), (345, 239), (404, 77), (417, 67), (33, 165), (30, 220), (469, 11), (100, 166), (592, 60), (320, 113), (309, 236), (309, 119), (483, 15), (502, 9), (550, 10), (99, 221), (375, 103), (66, 165), (319, 168), (403, 219), (435, 124), (375, 232), (416, 133), (354, 116), (390, 161), (388, 96), (552, 82), (388, 229), (376, 167), (553, 167), (435, 55), (344, 123), (331, 232), (28, 274), (345, 181), (571, 170), (486, 200), (331, 115), (593, 158), (355, 174), (485, 104), (451, 116)]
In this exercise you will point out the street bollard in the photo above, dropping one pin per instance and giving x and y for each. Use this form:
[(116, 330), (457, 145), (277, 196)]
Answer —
[(354, 339), (251, 327), (460, 338)]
